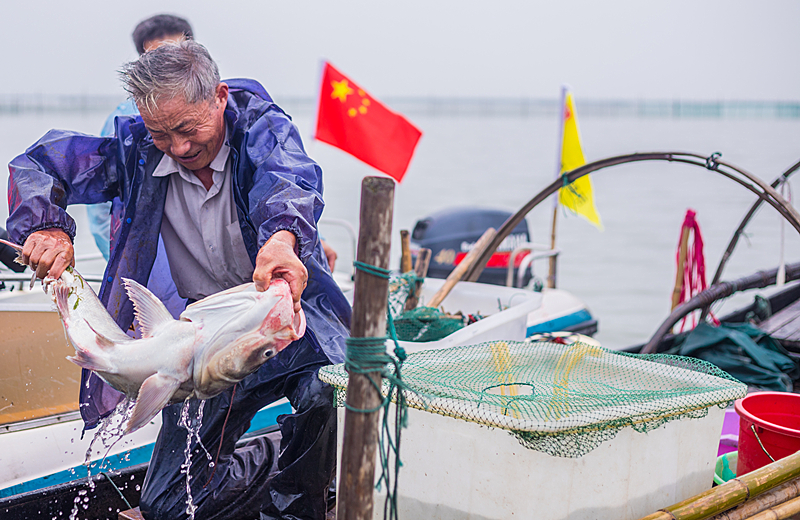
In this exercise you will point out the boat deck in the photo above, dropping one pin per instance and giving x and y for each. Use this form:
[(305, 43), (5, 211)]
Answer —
[(784, 326)]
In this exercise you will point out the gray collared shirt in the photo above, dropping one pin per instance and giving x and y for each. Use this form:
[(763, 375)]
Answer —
[(201, 230)]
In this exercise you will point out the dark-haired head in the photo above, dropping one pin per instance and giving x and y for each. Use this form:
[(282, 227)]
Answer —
[(158, 28)]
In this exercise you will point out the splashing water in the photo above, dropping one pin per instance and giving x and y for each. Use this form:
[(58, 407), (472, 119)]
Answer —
[(77, 502), (192, 432), (111, 430)]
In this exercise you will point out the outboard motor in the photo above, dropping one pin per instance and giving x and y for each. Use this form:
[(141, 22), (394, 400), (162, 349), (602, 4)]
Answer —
[(450, 234), (8, 254)]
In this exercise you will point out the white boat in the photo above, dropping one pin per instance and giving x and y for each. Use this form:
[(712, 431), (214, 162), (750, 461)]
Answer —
[(42, 443)]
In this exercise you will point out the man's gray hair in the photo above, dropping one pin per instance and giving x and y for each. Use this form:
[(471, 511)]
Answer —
[(182, 68)]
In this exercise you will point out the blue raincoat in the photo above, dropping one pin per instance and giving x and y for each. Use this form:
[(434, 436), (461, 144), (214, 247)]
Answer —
[(276, 187)]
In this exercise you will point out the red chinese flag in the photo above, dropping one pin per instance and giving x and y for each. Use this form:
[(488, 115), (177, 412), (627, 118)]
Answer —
[(352, 120)]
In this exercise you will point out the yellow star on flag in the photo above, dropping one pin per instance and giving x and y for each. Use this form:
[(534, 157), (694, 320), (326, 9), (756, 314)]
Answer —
[(341, 90)]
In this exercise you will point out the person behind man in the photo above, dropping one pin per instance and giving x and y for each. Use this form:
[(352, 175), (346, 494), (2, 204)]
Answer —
[(147, 35), (220, 172)]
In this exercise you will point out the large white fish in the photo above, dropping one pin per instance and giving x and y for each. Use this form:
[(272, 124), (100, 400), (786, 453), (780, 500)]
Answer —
[(217, 342)]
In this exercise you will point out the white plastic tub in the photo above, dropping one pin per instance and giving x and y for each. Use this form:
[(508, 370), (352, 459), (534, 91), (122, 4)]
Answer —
[(479, 298), (453, 469)]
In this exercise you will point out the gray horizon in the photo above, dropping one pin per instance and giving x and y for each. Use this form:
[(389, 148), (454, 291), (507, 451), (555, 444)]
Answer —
[(620, 50)]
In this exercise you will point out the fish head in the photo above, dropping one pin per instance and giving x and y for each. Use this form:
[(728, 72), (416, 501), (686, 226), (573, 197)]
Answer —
[(279, 327), (282, 325), (235, 354)]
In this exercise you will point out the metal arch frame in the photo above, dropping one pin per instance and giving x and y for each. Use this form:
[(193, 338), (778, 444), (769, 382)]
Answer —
[(738, 233), (764, 192), (704, 299)]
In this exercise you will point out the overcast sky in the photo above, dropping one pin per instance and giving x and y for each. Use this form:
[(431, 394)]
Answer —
[(687, 49)]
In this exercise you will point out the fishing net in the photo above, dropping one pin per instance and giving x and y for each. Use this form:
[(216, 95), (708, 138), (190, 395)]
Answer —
[(422, 323), (564, 400)]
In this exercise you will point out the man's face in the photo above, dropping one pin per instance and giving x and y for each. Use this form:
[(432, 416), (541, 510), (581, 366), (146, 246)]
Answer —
[(190, 133)]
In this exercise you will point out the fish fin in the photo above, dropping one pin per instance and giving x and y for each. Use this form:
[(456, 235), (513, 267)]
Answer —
[(61, 294), (85, 359), (150, 312), (155, 393), (102, 341)]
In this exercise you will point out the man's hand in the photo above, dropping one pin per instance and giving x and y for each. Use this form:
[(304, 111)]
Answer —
[(277, 259), (48, 252), (330, 254)]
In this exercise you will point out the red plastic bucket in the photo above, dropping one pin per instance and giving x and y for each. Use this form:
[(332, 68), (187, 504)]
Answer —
[(769, 428)]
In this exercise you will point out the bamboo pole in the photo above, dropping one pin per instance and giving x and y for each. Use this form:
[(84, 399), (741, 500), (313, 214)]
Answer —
[(684, 246), (732, 493), (779, 512), (457, 273), (405, 250), (421, 270), (357, 476), (763, 502)]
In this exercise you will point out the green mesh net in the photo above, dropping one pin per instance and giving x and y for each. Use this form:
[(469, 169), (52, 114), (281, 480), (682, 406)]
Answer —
[(422, 323), (564, 400)]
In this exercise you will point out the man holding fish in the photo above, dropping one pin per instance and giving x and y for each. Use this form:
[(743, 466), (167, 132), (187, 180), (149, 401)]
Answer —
[(219, 172)]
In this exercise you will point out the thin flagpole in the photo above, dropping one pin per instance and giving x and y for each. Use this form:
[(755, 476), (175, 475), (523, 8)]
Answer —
[(551, 276), (320, 76)]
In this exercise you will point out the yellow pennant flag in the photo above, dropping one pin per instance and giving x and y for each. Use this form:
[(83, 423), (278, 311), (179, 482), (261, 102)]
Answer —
[(577, 196)]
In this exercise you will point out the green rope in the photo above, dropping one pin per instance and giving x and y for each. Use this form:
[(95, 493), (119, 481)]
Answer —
[(118, 490), (366, 355), (565, 183), (374, 270)]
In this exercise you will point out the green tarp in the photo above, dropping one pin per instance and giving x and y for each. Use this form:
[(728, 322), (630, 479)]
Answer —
[(744, 351)]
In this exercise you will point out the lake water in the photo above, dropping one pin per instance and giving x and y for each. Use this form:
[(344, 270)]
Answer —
[(625, 273)]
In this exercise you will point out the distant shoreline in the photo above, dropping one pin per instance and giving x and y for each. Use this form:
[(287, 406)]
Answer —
[(11, 104)]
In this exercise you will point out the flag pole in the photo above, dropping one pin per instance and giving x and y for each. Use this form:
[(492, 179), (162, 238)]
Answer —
[(320, 76), (551, 276)]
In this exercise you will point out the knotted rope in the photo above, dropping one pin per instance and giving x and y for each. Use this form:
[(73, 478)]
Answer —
[(368, 355)]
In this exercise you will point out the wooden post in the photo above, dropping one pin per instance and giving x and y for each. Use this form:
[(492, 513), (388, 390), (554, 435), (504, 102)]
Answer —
[(421, 270), (405, 250), (357, 475)]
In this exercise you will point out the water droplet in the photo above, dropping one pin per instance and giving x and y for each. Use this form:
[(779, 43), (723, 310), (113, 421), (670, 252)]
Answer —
[(138, 487)]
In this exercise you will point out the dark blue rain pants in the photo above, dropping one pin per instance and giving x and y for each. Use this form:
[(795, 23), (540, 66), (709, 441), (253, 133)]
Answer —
[(251, 482)]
